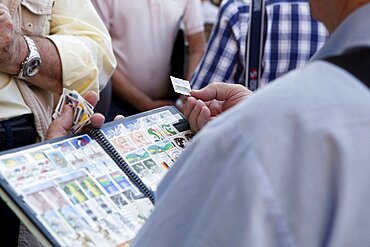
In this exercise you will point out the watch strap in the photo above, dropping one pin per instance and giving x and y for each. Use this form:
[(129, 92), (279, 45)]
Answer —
[(32, 52)]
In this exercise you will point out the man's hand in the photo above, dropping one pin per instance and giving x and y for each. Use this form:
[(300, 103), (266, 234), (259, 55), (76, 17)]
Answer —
[(8, 40), (60, 126), (6, 27), (207, 103), (14, 49)]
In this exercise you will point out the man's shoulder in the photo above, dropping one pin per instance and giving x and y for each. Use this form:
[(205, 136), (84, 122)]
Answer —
[(298, 91), (232, 7), (233, 12)]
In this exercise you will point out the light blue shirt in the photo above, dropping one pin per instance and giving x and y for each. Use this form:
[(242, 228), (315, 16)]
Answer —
[(301, 181)]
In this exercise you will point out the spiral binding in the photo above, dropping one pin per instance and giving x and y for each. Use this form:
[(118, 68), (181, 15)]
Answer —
[(105, 144)]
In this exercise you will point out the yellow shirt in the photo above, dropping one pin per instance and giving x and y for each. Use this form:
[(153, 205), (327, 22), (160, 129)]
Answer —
[(83, 43)]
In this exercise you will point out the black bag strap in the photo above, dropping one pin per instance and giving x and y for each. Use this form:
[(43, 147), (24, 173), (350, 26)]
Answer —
[(357, 63), (255, 43)]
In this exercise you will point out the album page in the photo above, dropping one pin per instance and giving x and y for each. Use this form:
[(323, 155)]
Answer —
[(150, 143), (74, 191)]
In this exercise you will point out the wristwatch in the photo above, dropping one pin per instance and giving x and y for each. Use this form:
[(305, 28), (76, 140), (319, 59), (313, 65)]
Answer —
[(32, 63)]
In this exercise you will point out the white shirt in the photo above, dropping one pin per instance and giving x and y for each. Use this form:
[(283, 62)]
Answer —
[(143, 34), (210, 12)]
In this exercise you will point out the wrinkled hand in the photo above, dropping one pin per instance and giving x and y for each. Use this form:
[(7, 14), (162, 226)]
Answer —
[(8, 40), (207, 103), (60, 126), (6, 27)]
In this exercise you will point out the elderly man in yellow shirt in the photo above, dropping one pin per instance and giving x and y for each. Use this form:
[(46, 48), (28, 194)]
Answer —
[(45, 46)]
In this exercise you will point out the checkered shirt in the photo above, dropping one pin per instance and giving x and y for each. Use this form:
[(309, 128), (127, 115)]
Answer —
[(292, 38)]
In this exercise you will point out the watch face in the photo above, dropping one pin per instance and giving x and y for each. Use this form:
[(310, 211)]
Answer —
[(32, 67)]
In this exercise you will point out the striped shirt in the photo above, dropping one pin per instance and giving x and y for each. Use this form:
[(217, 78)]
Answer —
[(292, 37)]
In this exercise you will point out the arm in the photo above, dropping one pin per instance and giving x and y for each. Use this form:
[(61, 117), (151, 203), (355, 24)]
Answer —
[(131, 94), (80, 45), (195, 52), (14, 50), (83, 44)]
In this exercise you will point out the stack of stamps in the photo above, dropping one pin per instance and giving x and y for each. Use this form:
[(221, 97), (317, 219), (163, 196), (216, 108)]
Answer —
[(81, 108)]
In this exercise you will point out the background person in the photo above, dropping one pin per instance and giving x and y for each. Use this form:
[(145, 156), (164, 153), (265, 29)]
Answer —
[(143, 34), (292, 37), (75, 52)]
